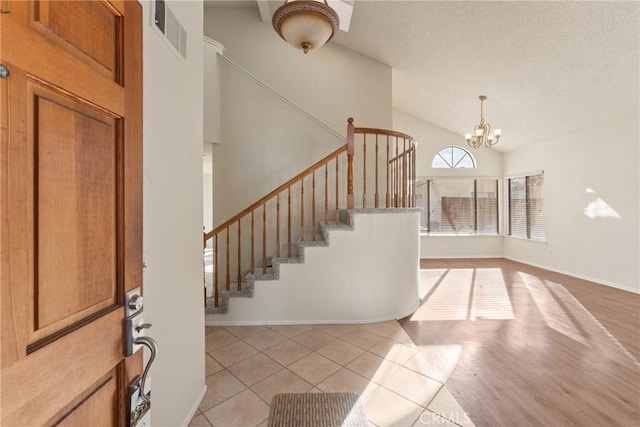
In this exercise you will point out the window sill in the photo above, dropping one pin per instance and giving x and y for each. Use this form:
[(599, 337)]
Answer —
[(422, 234), (527, 240)]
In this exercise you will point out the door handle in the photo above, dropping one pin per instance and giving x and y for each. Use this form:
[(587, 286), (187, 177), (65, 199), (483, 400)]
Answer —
[(152, 345), (134, 326)]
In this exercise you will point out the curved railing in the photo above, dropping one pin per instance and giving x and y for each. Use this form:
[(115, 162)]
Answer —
[(398, 161), (390, 155)]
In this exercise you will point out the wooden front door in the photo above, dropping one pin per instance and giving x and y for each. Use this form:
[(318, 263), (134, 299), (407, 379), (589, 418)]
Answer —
[(71, 216)]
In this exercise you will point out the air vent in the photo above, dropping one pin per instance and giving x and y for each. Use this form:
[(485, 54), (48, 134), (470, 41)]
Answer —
[(168, 24)]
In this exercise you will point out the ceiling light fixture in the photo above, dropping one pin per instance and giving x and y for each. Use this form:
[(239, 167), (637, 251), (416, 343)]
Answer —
[(482, 133), (306, 24)]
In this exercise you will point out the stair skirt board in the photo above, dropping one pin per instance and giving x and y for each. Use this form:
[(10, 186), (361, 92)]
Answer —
[(377, 241)]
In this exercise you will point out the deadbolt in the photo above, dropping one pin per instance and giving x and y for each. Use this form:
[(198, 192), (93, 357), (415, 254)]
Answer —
[(135, 303), (4, 72)]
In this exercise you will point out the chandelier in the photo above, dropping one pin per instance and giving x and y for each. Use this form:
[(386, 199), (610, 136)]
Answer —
[(482, 132), (306, 24)]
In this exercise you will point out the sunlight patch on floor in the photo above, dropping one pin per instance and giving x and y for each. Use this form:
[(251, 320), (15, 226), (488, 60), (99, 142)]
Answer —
[(464, 294), (587, 322), (554, 314)]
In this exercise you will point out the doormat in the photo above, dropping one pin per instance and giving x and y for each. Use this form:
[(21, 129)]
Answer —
[(317, 410)]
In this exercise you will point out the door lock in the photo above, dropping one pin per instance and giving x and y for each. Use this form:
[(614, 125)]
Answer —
[(134, 328)]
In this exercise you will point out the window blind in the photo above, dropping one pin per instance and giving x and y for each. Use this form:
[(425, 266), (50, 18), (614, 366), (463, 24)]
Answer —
[(487, 206), (536, 207), (458, 206), (518, 207), (526, 207)]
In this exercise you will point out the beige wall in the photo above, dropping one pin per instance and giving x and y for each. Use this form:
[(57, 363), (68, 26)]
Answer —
[(431, 139), (591, 187), (265, 141), (173, 216)]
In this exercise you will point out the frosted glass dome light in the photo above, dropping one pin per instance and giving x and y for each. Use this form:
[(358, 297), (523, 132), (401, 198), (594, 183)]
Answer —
[(306, 24)]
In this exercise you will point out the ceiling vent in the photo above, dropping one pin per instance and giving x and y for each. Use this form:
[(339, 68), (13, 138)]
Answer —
[(167, 23)]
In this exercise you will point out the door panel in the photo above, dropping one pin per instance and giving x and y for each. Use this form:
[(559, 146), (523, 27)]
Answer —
[(67, 25), (71, 213), (99, 407), (76, 194)]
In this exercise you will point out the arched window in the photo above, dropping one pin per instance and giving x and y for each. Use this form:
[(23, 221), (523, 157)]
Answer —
[(453, 157)]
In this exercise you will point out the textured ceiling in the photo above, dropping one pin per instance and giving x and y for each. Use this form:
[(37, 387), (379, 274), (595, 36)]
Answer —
[(547, 68)]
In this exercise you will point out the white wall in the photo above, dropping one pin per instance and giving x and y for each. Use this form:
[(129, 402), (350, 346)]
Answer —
[(173, 215), (332, 83), (366, 275), (583, 171), (207, 186), (212, 93), (265, 141), (431, 139)]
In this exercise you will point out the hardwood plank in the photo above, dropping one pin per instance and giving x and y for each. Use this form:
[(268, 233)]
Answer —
[(567, 356)]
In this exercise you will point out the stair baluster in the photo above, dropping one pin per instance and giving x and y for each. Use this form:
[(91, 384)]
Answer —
[(399, 176)]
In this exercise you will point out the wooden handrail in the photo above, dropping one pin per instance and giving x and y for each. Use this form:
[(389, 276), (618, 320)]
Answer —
[(272, 194), (375, 131), (396, 170)]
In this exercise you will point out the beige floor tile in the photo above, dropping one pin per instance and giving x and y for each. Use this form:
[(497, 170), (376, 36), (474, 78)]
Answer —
[(218, 338), (314, 339), (383, 328), (401, 336), (265, 339), (446, 405), (283, 381), (428, 418), (220, 386), (233, 353), (363, 338), (345, 381), (254, 369), (290, 330), (420, 365), (211, 366), (386, 409), (440, 361), (211, 330), (337, 330), (199, 421), (373, 367), (394, 351), (413, 386), (242, 410), (243, 332), (314, 368), (340, 352), (287, 352)]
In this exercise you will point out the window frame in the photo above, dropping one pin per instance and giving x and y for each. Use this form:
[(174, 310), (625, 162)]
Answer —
[(454, 166), (507, 204), (427, 207)]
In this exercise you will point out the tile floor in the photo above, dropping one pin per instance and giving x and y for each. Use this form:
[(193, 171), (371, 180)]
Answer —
[(247, 365)]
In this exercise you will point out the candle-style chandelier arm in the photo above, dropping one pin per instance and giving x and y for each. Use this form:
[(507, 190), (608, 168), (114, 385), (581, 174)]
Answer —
[(482, 132)]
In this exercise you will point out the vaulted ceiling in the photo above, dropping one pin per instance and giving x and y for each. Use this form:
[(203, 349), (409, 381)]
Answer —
[(548, 68)]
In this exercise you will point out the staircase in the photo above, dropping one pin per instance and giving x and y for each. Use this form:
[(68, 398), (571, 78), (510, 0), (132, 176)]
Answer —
[(373, 172)]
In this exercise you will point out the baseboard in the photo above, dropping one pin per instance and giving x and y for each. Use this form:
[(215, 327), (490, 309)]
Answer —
[(395, 316), (464, 257), (578, 276), (195, 406)]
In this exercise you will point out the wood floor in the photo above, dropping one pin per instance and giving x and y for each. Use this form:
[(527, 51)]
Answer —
[(518, 345)]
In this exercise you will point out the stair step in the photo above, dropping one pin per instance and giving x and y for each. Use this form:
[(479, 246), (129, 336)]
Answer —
[(273, 271)]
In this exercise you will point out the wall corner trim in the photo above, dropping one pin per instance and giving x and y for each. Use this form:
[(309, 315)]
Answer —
[(219, 47)]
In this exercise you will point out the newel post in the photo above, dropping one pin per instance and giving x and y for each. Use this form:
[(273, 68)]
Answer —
[(350, 151)]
